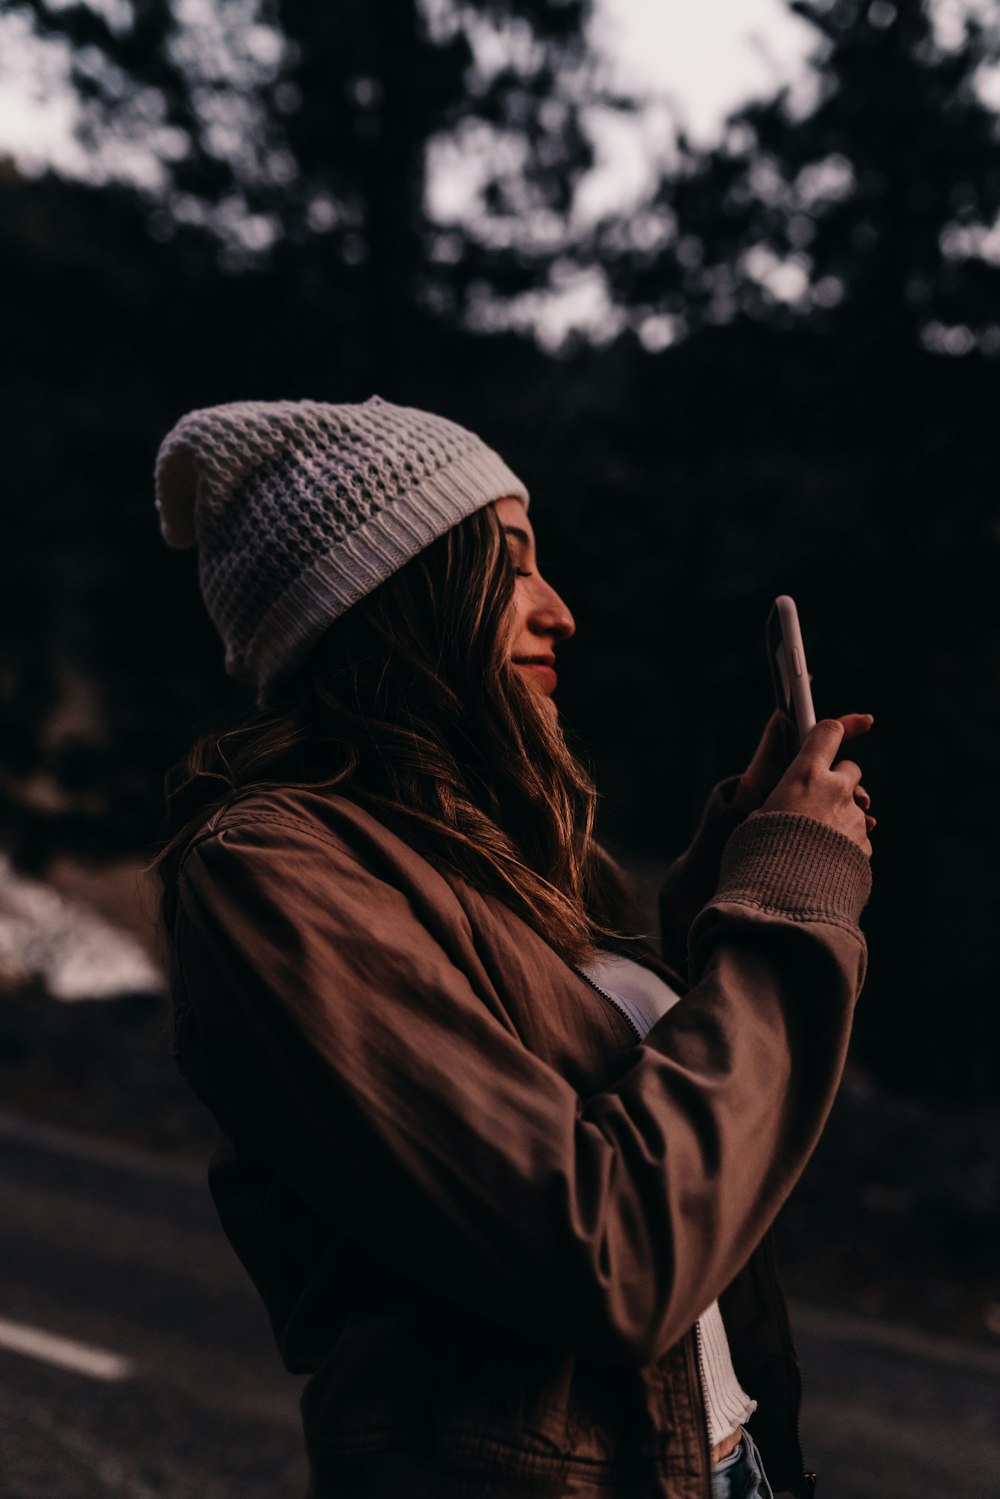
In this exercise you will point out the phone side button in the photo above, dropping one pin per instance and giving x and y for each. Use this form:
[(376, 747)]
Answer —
[(796, 661)]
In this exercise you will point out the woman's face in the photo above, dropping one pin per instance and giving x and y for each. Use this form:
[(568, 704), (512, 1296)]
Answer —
[(541, 617)]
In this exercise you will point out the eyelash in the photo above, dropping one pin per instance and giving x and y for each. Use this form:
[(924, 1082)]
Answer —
[(519, 574)]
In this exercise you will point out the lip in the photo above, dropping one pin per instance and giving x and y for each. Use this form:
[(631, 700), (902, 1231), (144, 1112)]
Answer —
[(542, 666)]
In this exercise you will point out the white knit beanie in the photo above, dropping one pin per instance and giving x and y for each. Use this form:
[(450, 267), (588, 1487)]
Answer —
[(300, 508)]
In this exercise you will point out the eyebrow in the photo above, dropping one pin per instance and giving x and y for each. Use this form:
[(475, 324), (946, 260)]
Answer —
[(521, 535)]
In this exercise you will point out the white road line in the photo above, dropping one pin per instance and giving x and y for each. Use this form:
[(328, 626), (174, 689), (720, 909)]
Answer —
[(67, 1354)]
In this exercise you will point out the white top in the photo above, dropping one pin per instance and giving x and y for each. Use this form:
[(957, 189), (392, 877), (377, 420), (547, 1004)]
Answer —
[(645, 997)]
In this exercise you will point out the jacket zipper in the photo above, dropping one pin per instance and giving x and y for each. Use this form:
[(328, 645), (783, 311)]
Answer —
[(703, 1407), (611, 1001), (809, 1477)]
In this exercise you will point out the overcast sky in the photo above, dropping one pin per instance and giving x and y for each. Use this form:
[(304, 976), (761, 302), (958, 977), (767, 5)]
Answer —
[(708, 54)]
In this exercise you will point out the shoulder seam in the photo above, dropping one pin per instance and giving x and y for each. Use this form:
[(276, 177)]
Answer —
[(290, 824)]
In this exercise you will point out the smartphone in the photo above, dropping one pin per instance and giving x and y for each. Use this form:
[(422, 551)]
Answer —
[(786, 657)]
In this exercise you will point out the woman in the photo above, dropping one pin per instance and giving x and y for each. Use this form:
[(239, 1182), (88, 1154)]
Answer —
[(507, 1201)]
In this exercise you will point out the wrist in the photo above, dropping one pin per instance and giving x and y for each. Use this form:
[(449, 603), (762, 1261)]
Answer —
[(743, 801)]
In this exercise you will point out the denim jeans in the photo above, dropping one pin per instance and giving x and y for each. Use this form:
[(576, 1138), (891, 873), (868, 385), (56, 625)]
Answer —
[(745, 1478)]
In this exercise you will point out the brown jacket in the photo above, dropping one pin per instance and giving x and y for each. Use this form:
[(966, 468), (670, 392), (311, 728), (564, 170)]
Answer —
[(481, 1216)]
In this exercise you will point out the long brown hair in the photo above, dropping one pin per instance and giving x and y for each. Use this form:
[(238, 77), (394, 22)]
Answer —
[(409, 704)]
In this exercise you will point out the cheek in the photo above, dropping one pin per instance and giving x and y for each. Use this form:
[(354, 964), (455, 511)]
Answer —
[(521, 607)]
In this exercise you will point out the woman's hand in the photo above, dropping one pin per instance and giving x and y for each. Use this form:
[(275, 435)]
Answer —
[(776, 753), (815, 787)]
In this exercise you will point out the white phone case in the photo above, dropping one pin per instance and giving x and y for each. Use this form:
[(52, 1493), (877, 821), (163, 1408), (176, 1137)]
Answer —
[(790, 664)]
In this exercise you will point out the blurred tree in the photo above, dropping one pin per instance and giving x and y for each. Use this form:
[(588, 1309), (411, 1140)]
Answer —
[(258, 202), (866, 204), (302, 136), (826, 285)]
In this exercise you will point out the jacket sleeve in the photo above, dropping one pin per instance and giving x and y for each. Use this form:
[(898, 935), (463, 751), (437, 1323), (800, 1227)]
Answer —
[(689, 882), (365, 1071)]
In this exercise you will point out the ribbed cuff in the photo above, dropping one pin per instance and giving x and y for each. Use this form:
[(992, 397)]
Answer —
[(794, 863)]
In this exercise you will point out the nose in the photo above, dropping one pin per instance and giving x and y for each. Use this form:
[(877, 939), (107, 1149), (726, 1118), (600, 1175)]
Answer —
[(549, 615)]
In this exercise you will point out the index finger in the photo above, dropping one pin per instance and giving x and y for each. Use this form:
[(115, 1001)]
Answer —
[(856, 723)]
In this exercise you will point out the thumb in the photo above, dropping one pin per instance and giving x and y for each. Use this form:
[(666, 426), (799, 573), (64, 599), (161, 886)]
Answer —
[(823, 742)]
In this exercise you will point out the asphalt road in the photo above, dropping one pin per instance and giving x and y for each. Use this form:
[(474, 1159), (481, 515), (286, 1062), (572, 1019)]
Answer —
[(137, 1363)]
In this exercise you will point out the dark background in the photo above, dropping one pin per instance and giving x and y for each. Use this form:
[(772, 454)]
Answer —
[(839, 447)]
